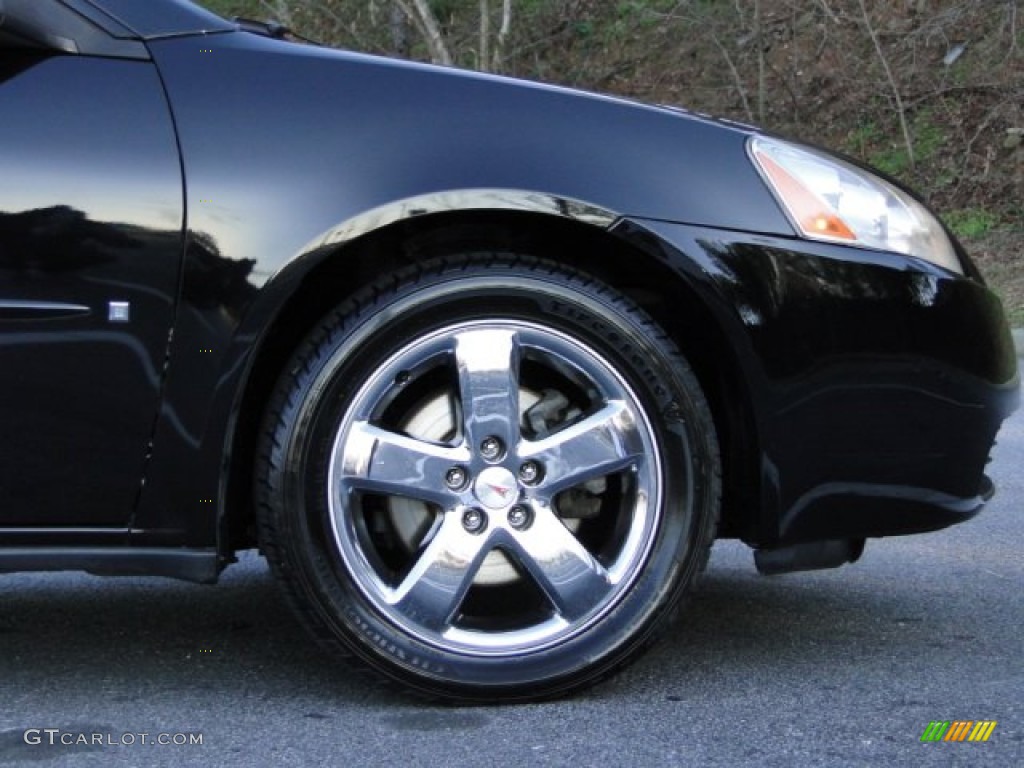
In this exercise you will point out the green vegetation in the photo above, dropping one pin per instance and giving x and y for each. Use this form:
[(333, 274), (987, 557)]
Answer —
[(927, 137), (862, 138), (970, 222)]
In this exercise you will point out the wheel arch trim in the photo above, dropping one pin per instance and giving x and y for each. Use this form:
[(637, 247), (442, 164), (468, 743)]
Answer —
[(282, 286), (490, 199), (278, 287)]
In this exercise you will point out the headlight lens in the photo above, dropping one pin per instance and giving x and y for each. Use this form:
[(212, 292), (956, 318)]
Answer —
[(828, 199)]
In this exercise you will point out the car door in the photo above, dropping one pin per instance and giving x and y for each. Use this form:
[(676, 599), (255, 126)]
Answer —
[(90, 247)]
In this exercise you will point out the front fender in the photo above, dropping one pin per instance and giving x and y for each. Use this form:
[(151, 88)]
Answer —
[(222, 325), (289, 151)]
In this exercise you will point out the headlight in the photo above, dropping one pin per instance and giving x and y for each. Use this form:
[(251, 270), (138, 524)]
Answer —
[(828, 199)]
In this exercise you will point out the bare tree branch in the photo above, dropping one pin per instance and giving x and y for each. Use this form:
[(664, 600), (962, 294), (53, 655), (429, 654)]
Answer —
[(483, 54), (398, 25), (828, 11), (1012, 12), (761, 82), (503, 31), (735, 75), (421, 15), (279, 11), (901, 111)]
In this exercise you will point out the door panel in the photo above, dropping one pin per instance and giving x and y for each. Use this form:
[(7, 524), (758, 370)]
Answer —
[(90, 248)]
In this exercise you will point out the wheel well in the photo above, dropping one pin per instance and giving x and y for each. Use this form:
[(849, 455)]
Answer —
[(642, 277)]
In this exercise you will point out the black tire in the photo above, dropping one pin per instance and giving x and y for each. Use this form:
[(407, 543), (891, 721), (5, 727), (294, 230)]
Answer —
[(388, 556)]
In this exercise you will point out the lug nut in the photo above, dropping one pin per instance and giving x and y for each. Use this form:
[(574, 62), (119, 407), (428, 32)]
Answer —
[(455, 478), (530, 472), (519, 517), (491, 448), (474, 520)]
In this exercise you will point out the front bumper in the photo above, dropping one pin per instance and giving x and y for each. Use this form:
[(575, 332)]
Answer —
[(877, 382)]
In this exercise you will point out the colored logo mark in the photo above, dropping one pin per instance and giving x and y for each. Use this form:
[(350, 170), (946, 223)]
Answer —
[(958, 730)]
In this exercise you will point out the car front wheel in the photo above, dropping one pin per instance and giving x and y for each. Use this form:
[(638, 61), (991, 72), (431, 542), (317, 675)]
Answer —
[(490, 477)]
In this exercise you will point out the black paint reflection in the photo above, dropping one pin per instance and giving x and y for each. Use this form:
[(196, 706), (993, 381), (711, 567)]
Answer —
[(58, 239), (213, 281), (78, 393), (879, 379)]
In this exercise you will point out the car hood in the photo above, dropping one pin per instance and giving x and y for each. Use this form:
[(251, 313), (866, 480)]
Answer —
[(375, 130)]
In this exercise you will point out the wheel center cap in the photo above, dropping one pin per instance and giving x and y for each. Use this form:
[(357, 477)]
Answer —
[(496, 488)]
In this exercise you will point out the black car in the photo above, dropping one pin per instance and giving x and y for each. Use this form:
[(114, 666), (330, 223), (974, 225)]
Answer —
[(483, 367)]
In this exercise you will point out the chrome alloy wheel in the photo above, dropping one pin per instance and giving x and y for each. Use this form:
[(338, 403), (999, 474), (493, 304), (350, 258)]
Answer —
[(494, 487)]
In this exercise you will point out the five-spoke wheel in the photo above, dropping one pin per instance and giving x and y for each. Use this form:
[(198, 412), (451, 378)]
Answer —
[(541, 463), (495, 480)]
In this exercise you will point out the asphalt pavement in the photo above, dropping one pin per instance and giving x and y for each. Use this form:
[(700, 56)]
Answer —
[(832, 668)]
